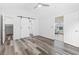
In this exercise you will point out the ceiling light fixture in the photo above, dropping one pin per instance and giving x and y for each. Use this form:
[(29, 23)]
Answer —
[(41, 5)]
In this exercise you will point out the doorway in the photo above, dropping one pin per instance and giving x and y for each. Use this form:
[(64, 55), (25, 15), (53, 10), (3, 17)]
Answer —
[(59, 34), (1, 29), (8, 32)]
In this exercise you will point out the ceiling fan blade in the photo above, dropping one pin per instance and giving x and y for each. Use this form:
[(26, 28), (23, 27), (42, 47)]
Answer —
[(44, 4), (35, 6)]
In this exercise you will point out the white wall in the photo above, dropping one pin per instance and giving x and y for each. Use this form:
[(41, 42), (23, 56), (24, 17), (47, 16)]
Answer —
[(71, 25), (71, 28), (46, 25), (16, 26), (35, 27), (10, 17)]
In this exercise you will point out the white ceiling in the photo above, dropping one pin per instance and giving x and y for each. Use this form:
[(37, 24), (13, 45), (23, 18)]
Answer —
[(58, 8), (25, 6), (54, 8)]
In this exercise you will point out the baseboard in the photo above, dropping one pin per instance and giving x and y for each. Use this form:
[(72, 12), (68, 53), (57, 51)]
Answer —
[(58, 40), (44, 37)]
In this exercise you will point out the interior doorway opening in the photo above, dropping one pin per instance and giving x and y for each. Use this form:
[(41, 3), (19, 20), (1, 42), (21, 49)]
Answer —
[(8, 32)]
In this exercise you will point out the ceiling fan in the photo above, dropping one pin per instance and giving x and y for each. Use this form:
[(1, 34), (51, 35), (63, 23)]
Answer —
[(41, 5)]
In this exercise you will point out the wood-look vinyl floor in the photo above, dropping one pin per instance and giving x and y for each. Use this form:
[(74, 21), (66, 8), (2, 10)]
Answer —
[(37, 46)]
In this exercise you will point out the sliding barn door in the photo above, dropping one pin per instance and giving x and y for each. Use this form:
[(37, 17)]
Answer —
[(24, 28)]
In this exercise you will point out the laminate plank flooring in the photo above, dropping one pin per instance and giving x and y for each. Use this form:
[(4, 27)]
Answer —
[(37, 46)]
